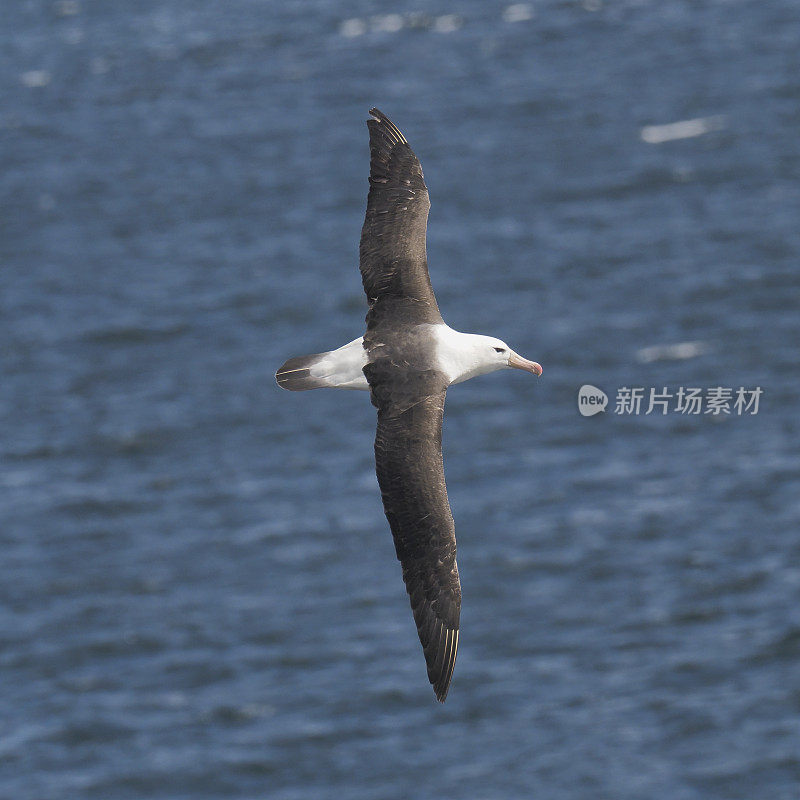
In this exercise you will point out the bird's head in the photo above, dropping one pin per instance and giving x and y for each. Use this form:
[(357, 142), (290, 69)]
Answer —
[(498, 352), (466, 355)]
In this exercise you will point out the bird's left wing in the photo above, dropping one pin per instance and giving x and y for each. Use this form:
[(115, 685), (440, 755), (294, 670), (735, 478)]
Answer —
[(392, 253), (408, 458)]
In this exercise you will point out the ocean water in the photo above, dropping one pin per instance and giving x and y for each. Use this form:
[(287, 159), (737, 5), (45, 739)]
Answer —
[(198, 591)]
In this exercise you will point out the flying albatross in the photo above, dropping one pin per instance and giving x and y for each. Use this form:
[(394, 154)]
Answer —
[(406, 360)]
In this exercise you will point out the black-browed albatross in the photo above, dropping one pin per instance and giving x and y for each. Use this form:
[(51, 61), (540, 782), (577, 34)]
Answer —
[(407, 359)]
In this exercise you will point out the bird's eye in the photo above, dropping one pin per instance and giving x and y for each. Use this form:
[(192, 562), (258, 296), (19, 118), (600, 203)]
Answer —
[(499, 349)]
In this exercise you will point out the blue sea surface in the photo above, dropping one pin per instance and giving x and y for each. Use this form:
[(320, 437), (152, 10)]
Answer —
[(199, 596)]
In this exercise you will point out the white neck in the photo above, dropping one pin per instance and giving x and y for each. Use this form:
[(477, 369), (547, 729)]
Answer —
[(462, 356)]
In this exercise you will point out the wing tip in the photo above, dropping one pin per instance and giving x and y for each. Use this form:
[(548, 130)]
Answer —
[(381, 120), (441, 685)]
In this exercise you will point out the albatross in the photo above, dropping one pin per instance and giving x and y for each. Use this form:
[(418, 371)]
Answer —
[(407, 359)]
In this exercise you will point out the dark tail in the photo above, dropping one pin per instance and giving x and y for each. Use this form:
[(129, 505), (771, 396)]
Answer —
[(295, 374)]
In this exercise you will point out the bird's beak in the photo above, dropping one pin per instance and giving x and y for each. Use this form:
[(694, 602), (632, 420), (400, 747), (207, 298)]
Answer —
[(518, 362)]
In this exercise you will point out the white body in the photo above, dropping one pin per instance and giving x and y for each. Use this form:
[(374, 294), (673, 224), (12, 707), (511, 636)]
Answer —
[(459, 355)]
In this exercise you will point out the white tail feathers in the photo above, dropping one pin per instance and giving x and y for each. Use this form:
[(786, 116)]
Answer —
[(340, 369)]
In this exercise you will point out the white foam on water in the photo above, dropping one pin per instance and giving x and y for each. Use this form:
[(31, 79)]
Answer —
[(685, 129), (394, 23), (672, 352), (447, 23), (35, 78), (353, 27), (519, 12), (387, 23)]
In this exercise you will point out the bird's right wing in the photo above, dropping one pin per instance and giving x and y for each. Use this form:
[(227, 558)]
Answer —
[(392, 253), (408, 458)]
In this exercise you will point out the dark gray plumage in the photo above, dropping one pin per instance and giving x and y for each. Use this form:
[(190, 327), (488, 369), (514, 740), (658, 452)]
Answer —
[(409, 393)]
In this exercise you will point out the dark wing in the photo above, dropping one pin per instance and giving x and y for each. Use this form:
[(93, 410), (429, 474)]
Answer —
[(408, 457), (392, 251), (409, 393)]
